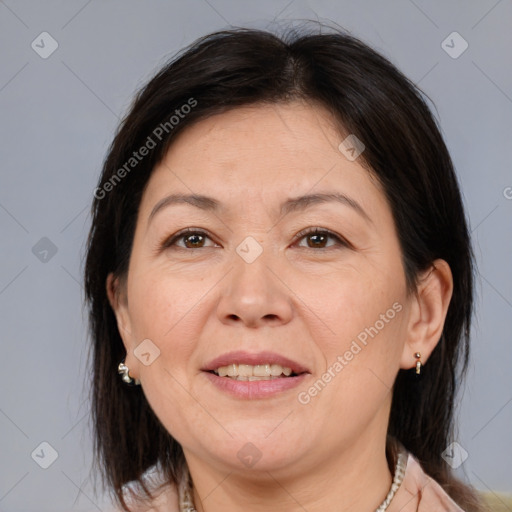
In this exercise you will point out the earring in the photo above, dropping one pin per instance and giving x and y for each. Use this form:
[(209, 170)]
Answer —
[(417, 355), (123, 369)]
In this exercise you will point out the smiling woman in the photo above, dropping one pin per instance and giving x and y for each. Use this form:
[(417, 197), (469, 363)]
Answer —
[(287, 275)]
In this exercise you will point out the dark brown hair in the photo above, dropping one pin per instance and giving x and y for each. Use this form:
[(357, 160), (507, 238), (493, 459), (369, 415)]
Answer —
[(404, 150)]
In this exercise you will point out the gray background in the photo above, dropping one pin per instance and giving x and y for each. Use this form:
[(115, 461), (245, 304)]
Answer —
[(58, 116)]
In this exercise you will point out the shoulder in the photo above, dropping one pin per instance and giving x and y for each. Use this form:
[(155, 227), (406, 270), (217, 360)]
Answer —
[(421, 493)]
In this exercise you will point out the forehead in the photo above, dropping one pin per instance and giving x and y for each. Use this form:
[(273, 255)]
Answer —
[(261, 153), (290, 128)]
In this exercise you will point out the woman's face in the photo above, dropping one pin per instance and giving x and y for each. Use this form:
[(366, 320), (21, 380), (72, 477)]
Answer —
[(249, 282)]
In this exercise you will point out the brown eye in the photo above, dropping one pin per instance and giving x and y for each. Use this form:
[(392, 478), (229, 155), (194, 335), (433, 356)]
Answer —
[(190, 238), (195, 240), (318, 238)]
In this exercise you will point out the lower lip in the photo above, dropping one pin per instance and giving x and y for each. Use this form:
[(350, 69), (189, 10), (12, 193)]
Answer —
[(256, 388)]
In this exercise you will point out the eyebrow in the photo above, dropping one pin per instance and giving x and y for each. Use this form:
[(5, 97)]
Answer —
[(293, 204)]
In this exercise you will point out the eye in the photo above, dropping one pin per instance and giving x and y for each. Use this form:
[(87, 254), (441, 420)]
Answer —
[(319, 237), (193, 239)]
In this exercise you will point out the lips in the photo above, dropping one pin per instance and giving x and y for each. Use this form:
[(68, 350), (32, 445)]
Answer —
[(253, 359), (254, 387)]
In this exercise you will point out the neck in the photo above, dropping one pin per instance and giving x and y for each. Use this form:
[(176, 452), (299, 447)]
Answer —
[(352, 478)]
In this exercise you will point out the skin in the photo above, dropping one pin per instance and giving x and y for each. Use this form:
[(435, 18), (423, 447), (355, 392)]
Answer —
[(305, 299)]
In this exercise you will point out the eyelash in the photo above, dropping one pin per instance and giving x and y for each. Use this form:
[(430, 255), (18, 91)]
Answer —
[(171, 241)]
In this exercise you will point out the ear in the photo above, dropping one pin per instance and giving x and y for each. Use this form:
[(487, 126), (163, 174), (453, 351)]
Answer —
[(119, 302), (428, 313)]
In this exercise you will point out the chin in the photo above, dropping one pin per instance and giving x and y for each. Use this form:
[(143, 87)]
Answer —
[(257, 453)]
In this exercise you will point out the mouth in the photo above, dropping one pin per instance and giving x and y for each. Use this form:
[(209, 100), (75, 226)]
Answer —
[(247, 372), (259, 375), (265, 365)]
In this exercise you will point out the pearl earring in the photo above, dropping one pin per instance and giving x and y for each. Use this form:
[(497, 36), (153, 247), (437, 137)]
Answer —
[(123, 369)]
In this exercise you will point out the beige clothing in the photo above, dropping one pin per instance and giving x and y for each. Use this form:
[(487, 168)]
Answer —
[(417, 493), (420, 493)]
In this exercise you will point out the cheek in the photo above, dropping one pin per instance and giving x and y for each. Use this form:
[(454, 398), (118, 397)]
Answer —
[(360, 305), (165, 310), (362, 357), (367, 315)]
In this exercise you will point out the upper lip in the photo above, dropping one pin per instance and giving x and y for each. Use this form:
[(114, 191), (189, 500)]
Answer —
[(241, 357)]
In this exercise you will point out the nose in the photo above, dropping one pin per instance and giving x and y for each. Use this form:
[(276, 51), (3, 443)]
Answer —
[(254, 294)]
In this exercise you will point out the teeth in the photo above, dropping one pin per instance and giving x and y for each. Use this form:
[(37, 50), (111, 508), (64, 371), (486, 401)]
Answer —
[(251, 373), (276, 369), (245, 370), (262, 370), (252, 378), (222, 371)]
